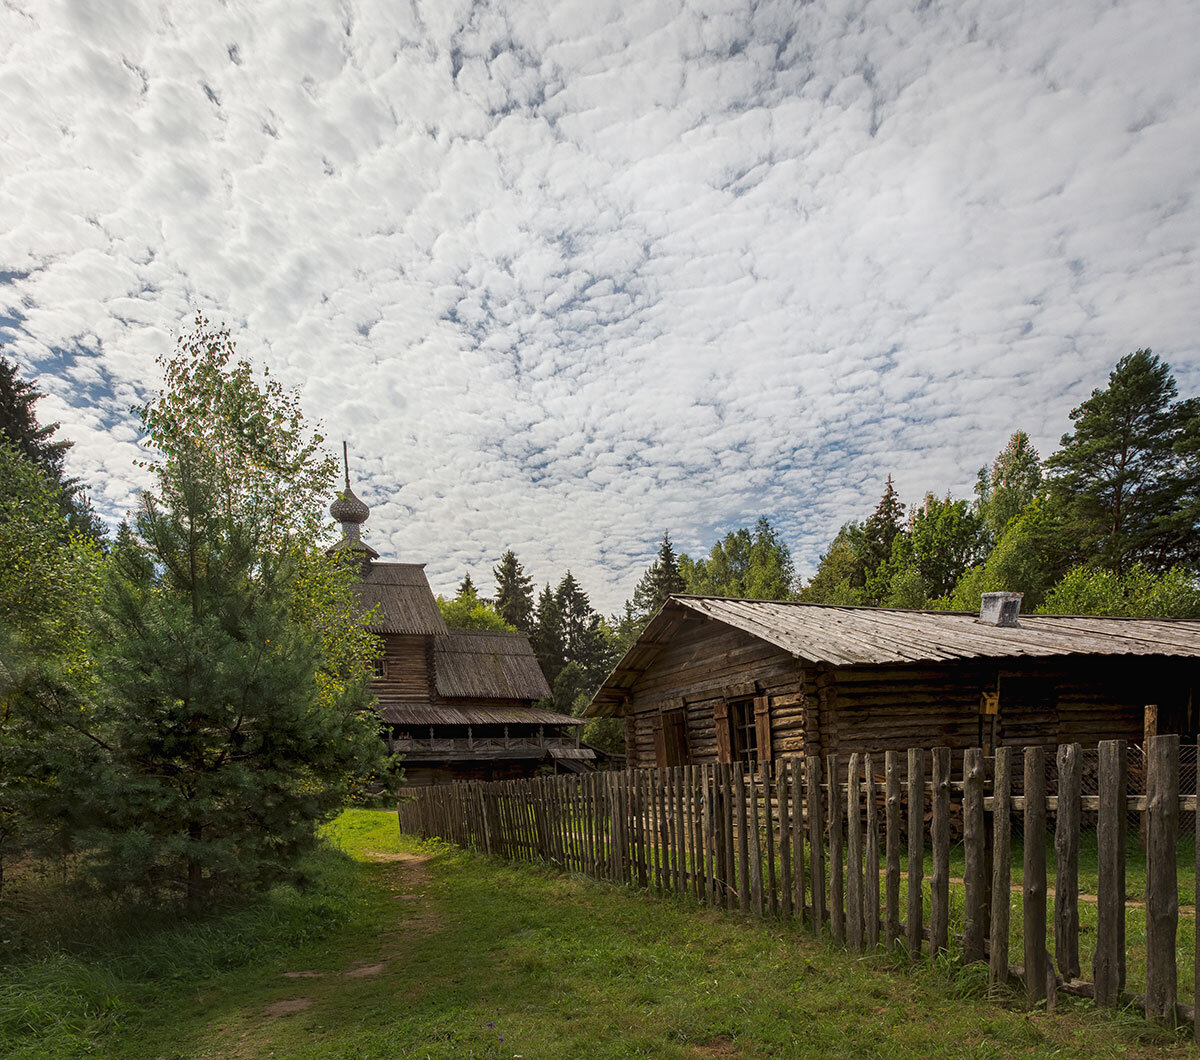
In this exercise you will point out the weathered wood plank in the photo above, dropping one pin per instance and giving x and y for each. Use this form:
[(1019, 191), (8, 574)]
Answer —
[(783, 771), (731, 884), (1162, 884), (797, 808), (854, 854), (756, 865), (871, 899), (741, 815), (1001, 870), (939, 920), (1034, 884), (1108, 964), (837, 908), (816, 839), (891, 915), (1066, 861), (916, 848), (974, 882)]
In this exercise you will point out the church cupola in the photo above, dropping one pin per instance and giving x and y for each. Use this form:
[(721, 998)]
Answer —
[(348, 510)]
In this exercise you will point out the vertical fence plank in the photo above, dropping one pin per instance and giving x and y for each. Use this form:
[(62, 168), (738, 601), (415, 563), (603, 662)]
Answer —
[(1108, 965), (710, 833), (743, 838), (871, 909), (699, 877), (797, 789), (680, 834), (1066, 861), (756, 865), (731, 893), (891, 914), (1001, 867), (854, 855), (1034, 884), (1162, 884), (783, 769), (816, 840), (837, 855), (916, 848), (939, 920), (770, 816), (974, 883)]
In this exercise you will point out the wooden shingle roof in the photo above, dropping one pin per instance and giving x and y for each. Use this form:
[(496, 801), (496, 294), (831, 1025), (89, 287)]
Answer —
[(403, 597), (481, 664), (873, 636)]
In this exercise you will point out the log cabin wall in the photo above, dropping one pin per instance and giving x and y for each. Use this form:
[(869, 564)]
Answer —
[(702, 666), (1040, 701), (408, 671)]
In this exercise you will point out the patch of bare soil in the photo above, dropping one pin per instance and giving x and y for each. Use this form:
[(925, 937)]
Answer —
[(719, 1047), (283, 1008), (365, 971), (302, 975)]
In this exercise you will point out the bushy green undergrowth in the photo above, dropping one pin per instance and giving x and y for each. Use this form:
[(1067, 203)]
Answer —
[(75, 968)]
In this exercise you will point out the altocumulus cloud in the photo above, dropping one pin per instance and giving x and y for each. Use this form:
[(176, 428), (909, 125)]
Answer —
[(568, 274)]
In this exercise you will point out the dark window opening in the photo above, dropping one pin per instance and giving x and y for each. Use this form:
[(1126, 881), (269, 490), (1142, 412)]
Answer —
[(744, 731), (380, 668)]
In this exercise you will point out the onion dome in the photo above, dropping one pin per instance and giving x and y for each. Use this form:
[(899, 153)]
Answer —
[(347, 508)]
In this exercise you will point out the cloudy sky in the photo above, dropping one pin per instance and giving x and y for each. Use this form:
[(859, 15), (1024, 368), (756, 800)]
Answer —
[(569, 274)]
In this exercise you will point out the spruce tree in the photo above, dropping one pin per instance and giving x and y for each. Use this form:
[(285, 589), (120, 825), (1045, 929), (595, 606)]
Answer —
[(661, 580), (466, 588), (514, 593), (20, 428), (547, 638)]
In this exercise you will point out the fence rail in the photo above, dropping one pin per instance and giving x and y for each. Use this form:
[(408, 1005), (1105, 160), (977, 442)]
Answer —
[(797, 840)]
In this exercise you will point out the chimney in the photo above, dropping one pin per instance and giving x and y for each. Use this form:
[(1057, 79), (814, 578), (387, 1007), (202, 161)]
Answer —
[(1000, 609)]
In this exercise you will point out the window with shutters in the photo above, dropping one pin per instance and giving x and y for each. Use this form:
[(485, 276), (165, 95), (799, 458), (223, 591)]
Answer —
[(744, 731)]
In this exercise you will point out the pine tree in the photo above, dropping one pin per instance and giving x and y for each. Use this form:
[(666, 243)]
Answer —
[(20, 427), (215, 756), (661, 580), (1118, 472), (514, 593)]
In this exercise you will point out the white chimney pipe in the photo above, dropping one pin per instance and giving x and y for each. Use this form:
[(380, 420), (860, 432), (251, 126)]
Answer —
[(1000, 609)]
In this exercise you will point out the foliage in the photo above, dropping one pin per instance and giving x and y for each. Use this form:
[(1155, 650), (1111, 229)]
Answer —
[(514, 593), (754, 565), (1139, 592), (19, 427), (467, 587), (1118, 473), (548, 637), (47, 582), (1014, 480), (841, 573), (946, 539), (571, 690), (215, 755), (661, 580), (467, 611)]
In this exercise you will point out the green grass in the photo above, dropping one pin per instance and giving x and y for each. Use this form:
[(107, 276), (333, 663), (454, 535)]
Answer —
[(485, 959)]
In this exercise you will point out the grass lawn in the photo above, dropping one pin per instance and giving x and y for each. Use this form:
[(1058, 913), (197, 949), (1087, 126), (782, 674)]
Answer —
[(398, 950)]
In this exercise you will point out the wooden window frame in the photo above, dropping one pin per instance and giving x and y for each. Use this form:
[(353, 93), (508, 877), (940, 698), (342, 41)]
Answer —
[(379, 671), (743, 727)]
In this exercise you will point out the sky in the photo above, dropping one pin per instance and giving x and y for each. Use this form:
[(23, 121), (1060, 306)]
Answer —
[(568, 275)]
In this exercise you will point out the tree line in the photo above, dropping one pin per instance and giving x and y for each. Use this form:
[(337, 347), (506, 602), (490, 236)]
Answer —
[(1108, 524)]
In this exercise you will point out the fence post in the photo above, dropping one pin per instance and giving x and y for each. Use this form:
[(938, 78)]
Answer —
[(1162, 884), (854, 856), (1066, 861), (816, 840), (916, 848), (1108, 965), (891, 916), (1034, 903), (872, 869), (1001, 868), (837, 905), (974, 882), (939, 920), (782, 770)]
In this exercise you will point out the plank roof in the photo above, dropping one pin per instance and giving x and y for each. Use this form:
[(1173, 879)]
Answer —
[(402, 595), (874, 636), (483, 664), (473, 714)]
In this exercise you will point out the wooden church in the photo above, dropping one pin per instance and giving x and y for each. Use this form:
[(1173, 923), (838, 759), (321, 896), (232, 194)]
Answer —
[(455, 704)]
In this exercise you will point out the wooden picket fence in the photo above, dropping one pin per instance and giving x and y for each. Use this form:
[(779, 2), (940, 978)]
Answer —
[(796, 839)]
